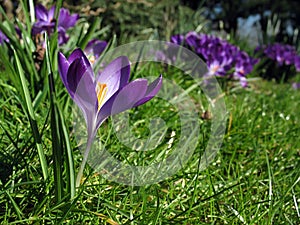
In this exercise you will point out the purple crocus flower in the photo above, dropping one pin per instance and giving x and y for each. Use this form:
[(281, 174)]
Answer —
[(280, 60), (221, 57), (177, 39), (46, 22), (65, 21), (3, 38), (218, 66), (297, 63), (107, 94), (94, 49), (296, 85), (243, 66), (282, 54), (96, 96)]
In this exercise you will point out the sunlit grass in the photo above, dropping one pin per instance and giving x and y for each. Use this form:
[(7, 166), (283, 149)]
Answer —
[(253, 180)]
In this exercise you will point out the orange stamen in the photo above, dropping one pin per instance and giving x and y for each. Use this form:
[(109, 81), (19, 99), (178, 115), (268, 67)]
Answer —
[(101, 91), (92, 59)]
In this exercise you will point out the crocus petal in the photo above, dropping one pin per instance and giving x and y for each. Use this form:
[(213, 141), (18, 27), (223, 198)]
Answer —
[(243, 82), (63, 66), (89, 47), (124, 99), (41, 26), (152, 90), (177, 39), (41, 13), (77, 71), (82, 89), (129, 95), (115, 75), (77, 53), (62, 36), (51, 14), (66, 20), (85, 97), (3, 38), (63, 63), (99, 48), (85, 94)]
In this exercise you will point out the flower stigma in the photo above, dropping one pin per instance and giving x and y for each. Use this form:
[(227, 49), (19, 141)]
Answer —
[(101, 91), (92, 59), (215, 68)]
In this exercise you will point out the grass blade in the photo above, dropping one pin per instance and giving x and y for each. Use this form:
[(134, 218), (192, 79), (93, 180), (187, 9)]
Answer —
[(31, 117), (82, 44), (70, 166), (57, 153), (17, 209)]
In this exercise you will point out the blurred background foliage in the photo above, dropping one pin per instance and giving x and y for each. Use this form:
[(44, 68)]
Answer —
[(273, 21), (282, 16), (140, 19)]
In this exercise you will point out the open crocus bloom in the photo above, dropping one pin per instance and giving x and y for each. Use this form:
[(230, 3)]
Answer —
[(65, 21), (45, 20), (107, 94)]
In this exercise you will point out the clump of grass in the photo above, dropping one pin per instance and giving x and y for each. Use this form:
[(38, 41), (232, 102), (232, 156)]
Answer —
[(253, 179)]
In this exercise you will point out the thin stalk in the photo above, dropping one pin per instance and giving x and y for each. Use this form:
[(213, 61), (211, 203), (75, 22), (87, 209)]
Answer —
[(56, 148), (57, 9), (89, 33), (57, 152), (84, 160), (32, 12), (26, 15), (70, 168)]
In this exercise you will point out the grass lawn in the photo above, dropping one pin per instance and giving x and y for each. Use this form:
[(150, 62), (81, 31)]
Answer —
[(254, 178)]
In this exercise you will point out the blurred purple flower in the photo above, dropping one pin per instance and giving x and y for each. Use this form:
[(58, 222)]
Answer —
[(243, 66), (192, 40), (281, 53), (221, 57), (94, 49), (218, 66), (296, 85), (46, 22), (280, 61), (3, 38), (297, 63), (177, 39), (65, 21)]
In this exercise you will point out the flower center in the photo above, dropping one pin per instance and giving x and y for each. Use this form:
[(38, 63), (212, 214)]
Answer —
[(101, 91), (92, 59), (215, 68)]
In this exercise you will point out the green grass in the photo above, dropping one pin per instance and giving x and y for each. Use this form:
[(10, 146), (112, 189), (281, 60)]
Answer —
[(253, 180)]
